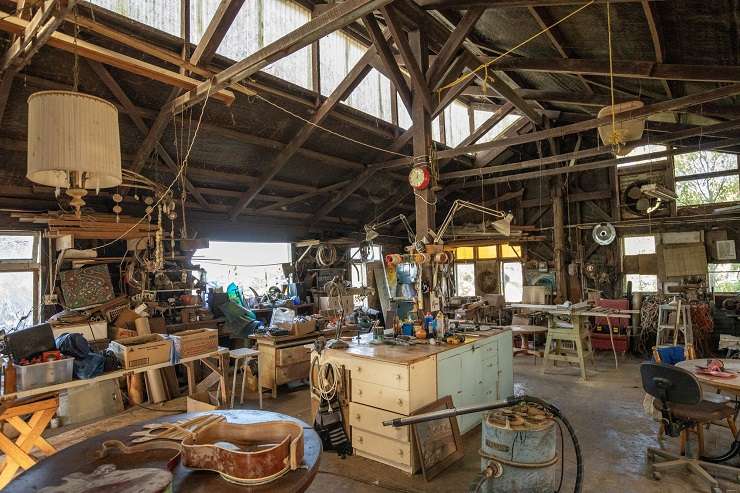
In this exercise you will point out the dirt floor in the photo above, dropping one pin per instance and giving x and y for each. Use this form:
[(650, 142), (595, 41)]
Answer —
[(606, 412)]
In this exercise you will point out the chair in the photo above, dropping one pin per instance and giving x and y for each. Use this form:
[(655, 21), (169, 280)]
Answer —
[(678, 397), (241, 357)]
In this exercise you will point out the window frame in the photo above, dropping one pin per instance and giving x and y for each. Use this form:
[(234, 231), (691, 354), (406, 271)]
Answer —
[(707, 176), (710, 272), (624, 246), (32, 265), (457, 281), (657, 283)]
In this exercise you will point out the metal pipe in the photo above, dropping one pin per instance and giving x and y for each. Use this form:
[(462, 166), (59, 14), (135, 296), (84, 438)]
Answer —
[(455, 411)]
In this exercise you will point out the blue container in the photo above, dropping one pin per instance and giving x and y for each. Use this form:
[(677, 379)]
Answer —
[(407, 329)]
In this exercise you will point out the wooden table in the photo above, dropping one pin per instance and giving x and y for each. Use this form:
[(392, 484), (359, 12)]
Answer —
[(217, 367), (730, 385), (81, 458), (524, 331)]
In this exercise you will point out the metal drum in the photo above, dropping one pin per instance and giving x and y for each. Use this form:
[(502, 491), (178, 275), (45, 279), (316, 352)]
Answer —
[(523, 440)]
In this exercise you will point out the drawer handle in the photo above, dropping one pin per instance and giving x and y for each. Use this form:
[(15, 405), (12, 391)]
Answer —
[(357, 416), (359, 369), (360, 439), (400, 452), (398, 376), (359, 391), (400, 402)]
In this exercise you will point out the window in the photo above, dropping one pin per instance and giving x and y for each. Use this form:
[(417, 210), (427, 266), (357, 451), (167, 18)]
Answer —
[(159, 14), (19, 279), (511, 251), (642, 283), (358, 271), (248, 265), (724, 278), (512, 280), (254, 27), (457, 123), (646, 149), (480, 118), (487, 252), (464, 253), (373, 96), (639, 245), (404, 119), (465, 277), (706, 177)]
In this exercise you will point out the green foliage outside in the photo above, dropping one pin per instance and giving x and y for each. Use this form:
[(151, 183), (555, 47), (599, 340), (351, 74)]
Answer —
[(706, 190), (725, 278)]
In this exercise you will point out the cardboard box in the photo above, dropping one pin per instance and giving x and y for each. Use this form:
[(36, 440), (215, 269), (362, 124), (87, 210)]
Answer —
[(135, 352), (91, 331), (119, 333), (126, 319), (194, 342), (332, 303), (299, 328)]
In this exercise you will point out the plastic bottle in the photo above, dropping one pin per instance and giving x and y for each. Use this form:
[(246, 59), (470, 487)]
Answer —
[(440, 328), (428, 323)]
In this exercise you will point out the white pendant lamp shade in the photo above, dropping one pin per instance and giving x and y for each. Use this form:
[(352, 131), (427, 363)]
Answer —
[(626, 131), (73, 134)]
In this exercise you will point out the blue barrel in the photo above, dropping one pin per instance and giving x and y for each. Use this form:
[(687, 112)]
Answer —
[(524, 441)]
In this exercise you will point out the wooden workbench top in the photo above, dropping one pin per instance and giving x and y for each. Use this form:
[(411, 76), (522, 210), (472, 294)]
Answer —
[(406, 355)]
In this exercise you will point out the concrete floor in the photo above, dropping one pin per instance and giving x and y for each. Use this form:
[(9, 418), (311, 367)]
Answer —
[(606, 412)]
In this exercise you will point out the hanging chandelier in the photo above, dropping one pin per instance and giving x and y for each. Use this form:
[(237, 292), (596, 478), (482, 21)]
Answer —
[(73, 143)]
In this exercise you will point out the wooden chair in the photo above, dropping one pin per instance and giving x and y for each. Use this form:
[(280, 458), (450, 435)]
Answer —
[(18, 454)]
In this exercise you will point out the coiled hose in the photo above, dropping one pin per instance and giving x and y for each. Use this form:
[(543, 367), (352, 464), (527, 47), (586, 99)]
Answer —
[(488, 472)]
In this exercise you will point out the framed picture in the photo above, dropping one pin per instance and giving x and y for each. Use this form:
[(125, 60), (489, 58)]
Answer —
[(438, 442)]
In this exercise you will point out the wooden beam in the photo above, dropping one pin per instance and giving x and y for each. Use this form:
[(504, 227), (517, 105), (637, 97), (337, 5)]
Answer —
[(388, 60), (545, 22), (501, 4), (655, 36), (348, 84), (521, 126), (12, 24), (335, 18), (574, 128), (123, 98), (343, 195), (304, 196), (418, 79), (218, 27), (592, 152), (451, 47), (623, 68)]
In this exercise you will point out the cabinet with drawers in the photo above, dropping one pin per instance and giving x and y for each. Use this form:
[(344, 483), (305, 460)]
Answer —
[(283, 359), (387, 382)]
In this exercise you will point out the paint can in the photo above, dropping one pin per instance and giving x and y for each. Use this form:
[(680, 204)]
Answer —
[(523, 440)]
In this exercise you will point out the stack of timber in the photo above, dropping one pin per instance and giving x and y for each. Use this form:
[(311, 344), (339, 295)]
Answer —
[(89, 226)]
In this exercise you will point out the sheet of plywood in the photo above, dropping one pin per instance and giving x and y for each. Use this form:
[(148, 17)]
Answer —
[(685, 260)]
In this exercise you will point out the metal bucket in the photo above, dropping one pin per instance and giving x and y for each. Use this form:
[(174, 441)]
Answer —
[(522, 439)]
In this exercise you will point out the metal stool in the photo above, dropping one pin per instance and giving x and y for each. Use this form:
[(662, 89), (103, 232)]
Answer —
[(244, 355)]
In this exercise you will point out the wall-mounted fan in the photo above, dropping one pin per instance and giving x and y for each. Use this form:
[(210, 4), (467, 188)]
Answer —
[(604, 234), (643, 198)]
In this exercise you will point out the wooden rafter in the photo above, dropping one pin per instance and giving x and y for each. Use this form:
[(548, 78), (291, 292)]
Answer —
[(553, 34), (304, 196), (517, 128), (333, 19), (624, 68), (202, 55), (657, 45), (418, 78), (574, 128), (388, 60), (451, 47), (499, 4), (348, 84), (122, 98), (84, 49), (216, 31)]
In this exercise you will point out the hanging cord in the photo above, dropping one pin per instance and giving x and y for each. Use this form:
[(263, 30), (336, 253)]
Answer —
[(485, 66), (616, 138), (76, 65), (174, 180)]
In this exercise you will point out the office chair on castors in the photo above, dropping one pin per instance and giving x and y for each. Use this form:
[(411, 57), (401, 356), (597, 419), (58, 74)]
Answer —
[(678, 397)]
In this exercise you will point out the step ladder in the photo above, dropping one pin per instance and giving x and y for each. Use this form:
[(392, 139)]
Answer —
[(667, 333)]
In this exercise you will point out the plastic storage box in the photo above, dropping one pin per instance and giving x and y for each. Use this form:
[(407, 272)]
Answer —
[(43, 374)]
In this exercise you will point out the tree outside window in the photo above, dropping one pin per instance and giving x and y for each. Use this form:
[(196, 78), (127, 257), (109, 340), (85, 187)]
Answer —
[(709, 190)]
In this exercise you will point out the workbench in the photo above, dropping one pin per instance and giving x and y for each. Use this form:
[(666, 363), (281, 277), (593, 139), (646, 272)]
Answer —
[(283, 359), (390, 381)]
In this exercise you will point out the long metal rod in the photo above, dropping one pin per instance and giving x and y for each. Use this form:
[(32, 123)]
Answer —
[(455, 411)]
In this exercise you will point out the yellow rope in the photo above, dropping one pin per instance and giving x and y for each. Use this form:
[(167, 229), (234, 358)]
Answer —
[(616, 138), (507, 52)]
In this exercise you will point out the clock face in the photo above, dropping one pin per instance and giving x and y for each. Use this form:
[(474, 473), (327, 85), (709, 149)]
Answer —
[(419, 177)]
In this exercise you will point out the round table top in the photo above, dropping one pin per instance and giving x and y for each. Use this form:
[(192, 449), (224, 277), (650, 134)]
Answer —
[(82, 458), (729, 384), (527, 329)]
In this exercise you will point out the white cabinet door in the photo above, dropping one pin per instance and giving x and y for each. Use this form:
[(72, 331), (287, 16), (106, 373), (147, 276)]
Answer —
[(472, 385), (505, 366), (450, 381)]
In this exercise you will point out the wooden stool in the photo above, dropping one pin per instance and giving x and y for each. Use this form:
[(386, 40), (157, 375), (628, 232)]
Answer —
[(578, 335), (523, 332), (244, 355), (17, 455)]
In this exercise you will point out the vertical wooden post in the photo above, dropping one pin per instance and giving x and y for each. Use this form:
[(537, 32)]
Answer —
[(559, 240), (422, 138), (422, 142)]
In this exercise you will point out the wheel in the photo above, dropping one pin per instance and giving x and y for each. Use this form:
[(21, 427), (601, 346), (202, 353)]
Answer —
[(657, 475)]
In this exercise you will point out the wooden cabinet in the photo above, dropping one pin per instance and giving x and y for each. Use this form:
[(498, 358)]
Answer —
[(475, 374), (282, 361)]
